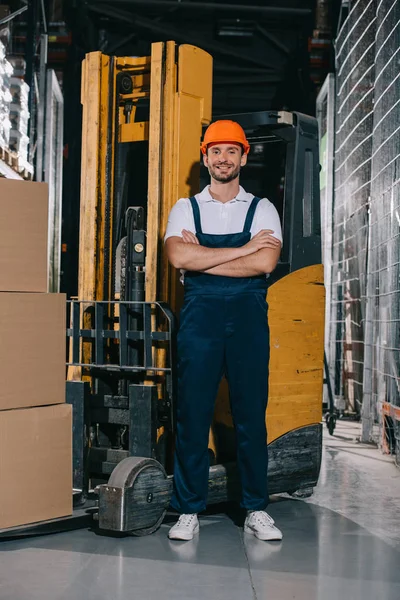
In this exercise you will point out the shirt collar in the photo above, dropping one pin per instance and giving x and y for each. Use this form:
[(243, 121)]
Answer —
[(242, 196)]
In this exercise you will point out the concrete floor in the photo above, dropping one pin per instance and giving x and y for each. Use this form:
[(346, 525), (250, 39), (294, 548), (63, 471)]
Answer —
[(341, 544)]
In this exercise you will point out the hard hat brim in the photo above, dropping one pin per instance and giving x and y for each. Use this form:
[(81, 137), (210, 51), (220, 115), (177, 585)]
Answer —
[(204, 146)]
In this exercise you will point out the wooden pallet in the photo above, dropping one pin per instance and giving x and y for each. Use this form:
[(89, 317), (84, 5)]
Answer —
[(24, 169)]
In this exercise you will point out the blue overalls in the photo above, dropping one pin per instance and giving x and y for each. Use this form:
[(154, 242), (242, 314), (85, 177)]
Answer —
[(223, 330)]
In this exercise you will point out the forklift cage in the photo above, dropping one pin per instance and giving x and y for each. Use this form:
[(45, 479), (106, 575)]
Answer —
[(158, 326)]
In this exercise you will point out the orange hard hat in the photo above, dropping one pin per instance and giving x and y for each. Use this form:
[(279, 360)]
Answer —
[(225, 132)]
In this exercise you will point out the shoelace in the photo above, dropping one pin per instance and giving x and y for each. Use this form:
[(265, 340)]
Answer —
[(264, 518), (185, 520)]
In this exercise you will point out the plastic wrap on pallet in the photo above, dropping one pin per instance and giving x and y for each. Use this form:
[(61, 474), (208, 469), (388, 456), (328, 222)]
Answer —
[(19, 143), (18, 64), (6, 72), (19, 91), (5, 128), (5, 98), (19, 115), (19, 118), (14, 114)]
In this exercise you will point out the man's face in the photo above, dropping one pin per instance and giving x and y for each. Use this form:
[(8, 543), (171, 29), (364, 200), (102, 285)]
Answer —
[(224, 161)]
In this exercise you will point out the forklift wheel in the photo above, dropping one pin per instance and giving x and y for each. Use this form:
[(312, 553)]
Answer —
[(151, 492), (330, 422)]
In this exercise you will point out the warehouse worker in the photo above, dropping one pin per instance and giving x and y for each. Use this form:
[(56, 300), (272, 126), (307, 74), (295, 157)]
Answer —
[(225, 241)]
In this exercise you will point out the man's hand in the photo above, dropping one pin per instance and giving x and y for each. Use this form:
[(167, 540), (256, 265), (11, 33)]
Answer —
[(263, 239), (189, 237)]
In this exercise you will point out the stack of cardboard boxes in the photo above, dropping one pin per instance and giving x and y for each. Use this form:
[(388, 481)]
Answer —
[(35, 422)]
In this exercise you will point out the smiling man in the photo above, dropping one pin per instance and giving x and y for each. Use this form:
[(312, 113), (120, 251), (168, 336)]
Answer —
[(226, 242)]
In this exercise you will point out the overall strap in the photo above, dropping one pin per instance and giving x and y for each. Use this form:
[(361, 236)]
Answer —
[(196, 214), (250, 214)]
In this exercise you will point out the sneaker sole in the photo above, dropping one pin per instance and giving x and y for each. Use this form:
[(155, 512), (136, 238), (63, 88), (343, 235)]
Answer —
[(265, 537), (184, 537)]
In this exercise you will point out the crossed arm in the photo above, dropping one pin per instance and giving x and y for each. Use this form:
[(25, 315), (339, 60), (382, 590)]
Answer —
[(257, 257)]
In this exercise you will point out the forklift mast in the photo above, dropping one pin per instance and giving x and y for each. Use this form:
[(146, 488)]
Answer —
[(159, 104), (142, 123)]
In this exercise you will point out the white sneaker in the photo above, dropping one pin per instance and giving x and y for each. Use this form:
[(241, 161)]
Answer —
[(260, 524), (185, 528)]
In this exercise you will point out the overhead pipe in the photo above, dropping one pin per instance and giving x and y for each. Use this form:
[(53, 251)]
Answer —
[(280, 11), (180, 34)]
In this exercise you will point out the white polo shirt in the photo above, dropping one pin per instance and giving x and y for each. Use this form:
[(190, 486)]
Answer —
[(223, 218)]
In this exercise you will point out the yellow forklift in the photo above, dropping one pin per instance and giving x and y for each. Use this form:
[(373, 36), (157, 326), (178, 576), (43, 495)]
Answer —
[(142, 125)]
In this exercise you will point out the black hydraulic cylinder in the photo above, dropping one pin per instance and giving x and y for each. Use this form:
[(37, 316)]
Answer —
[(77, 394), (143, 420)]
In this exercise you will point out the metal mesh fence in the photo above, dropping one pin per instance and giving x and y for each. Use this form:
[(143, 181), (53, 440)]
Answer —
[(365, 298), (355, 51), (382, 325)]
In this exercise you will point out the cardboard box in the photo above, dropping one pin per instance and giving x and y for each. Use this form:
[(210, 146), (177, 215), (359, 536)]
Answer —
[(35, 464), (23, 236), (32, 350)]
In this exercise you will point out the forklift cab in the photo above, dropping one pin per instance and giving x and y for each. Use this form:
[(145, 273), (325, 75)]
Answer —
[(284, 167)]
